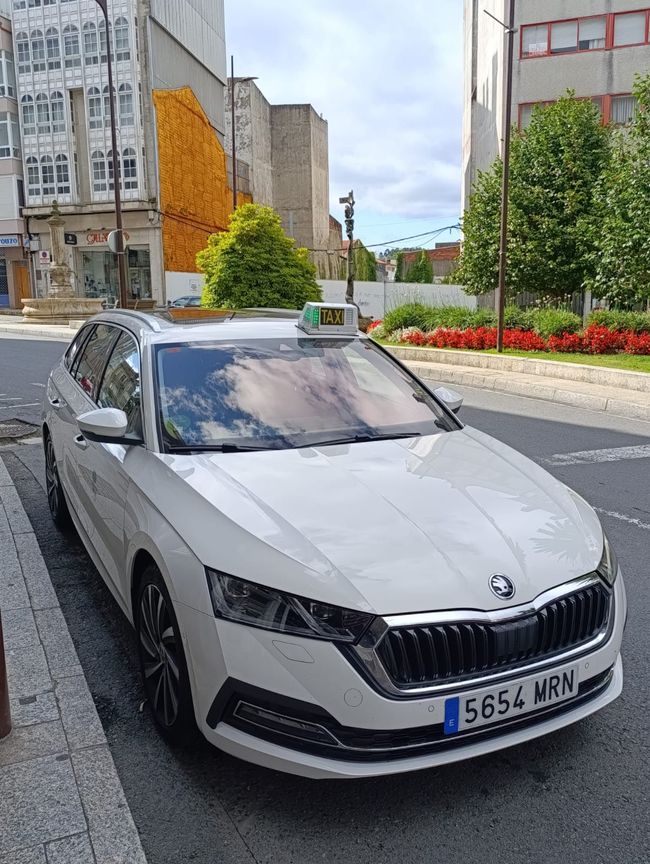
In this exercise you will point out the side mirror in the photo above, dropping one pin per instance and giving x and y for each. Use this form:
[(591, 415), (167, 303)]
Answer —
[(451, 399), (106, 426)]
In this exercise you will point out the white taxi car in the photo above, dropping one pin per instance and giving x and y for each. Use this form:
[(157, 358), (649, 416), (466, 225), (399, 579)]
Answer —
[(328, 574)]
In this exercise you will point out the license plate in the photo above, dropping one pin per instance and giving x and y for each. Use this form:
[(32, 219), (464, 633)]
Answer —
[(509, 701)]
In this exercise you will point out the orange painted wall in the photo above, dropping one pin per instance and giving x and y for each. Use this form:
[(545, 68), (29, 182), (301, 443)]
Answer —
[(194, 195)]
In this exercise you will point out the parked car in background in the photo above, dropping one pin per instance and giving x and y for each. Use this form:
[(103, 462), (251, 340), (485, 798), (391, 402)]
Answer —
[(188, 300)]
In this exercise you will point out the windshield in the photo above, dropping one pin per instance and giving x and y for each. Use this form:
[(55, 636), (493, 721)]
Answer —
[(281, 393)]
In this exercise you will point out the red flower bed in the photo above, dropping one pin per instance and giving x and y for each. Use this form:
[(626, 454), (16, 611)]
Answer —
[(596, 339), (372, 325)]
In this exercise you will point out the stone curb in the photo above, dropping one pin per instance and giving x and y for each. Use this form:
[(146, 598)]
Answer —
[(545, 368), (545, 389), (46, 331), (61, 799)]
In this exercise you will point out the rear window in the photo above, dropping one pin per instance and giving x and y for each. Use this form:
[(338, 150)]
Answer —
[(95, 352), (282, 393)]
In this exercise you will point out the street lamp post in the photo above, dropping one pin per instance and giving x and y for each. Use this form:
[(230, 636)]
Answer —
[(122, 272), (232, 123), (349, 230), (505, 180)]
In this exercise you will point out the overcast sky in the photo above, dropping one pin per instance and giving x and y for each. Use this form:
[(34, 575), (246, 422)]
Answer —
[(387, 76)]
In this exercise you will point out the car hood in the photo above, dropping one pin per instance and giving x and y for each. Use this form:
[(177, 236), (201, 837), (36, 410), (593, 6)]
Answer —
[(391, 527)]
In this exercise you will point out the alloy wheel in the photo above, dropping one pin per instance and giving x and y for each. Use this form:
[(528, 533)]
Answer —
[(55, 498), (160, 655)]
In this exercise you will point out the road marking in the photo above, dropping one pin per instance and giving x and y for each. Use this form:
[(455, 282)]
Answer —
[(614, 454), (37, 384), (631, 520), (10, 398), (13, 407)]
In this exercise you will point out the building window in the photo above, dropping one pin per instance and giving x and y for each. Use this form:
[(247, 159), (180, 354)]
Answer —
[(630, 28), (9, 137), (57, 111), (53, 48), (126, 105), (22, 47), (47, 175), (43, 114), (7, 77), (38, 51), (130, 169), (71, 47), (534, 40), (122, 51), (29, 115), (33, 177), (103, 49), (62, 175), (107, 105), (98, 165), (91, 45), (111, 172), (591, 33), (34, 4), (564, 37), (20, 4), (623, 110), (95, 112)]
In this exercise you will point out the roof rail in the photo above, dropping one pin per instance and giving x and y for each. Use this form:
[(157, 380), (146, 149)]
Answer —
[(145, 318)]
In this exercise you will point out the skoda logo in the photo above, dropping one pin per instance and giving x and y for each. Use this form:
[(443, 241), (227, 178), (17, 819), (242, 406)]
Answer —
[(502, 587)]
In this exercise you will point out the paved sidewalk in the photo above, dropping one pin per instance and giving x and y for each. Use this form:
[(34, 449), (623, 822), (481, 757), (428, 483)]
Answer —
[(61, 800), (16, 327)]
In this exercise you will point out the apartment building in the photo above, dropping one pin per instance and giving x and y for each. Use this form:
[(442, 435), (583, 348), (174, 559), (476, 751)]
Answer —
[(169, 77), (594, 47), (14, 278)]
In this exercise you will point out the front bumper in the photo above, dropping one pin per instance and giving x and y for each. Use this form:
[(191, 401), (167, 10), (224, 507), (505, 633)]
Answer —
[(366, 733)]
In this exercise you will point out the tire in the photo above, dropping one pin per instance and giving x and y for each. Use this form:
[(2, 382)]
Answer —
[(162, 660), (55, 497)]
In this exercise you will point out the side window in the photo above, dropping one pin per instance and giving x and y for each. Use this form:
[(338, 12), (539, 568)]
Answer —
[(75, 345), (120, 387), (89, 368)]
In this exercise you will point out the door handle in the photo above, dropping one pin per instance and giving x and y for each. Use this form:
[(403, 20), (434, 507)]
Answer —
[(81, 442), (55, 403)]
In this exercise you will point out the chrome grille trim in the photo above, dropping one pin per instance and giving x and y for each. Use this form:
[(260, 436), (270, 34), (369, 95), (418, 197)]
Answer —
[(366, 656)]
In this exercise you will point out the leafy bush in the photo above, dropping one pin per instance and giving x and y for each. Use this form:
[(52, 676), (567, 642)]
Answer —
[(255, 264), (636, 322), (554, 322), (406, 315), (432, 317)]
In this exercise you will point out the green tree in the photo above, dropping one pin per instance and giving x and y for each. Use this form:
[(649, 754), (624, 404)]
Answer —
[(255, 264), (620, 232), (399, 267), (421, 270), (555, 166), (365, 263)]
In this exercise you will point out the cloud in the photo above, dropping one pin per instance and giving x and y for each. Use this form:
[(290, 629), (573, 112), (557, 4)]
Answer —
[(388, 79)]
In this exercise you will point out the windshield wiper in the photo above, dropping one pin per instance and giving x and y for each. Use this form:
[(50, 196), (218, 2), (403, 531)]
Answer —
[(216, 448), (364, 438)]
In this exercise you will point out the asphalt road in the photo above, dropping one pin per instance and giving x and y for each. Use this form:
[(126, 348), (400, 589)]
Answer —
[(580, 795)]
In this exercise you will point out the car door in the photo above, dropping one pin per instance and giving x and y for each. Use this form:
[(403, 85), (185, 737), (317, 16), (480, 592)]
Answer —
[(77, 391), (120, 388)]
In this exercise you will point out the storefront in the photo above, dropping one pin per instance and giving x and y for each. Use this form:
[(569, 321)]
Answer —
[(14, 277), (98, 277)]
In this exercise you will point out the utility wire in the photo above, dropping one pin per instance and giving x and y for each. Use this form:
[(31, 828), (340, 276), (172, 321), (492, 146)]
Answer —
[(429, 234)]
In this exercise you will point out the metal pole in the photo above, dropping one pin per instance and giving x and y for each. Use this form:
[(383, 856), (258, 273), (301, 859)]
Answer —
[(234, 141), (5, 715), (122, 272), (507, 120), (349, 230)]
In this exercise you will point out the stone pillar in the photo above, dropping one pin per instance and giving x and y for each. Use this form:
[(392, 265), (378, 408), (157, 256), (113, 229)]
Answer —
[(60, 271)]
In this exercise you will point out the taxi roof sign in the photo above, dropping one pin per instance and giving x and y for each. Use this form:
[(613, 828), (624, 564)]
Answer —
[(336, 318)]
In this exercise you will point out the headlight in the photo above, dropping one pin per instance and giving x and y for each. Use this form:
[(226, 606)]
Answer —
[(608, 567), (259, 606)]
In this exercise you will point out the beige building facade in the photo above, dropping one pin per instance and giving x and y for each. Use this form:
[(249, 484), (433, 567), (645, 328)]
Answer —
[(594, 47)]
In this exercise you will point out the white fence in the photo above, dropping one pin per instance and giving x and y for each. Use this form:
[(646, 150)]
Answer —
[(376, 298)]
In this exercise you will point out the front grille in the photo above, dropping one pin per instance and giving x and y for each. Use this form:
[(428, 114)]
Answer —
[(442, 653)]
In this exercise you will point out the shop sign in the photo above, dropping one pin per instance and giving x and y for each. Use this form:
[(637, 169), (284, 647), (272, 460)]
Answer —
[(11, 240), (70, 239), (94, 238)]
